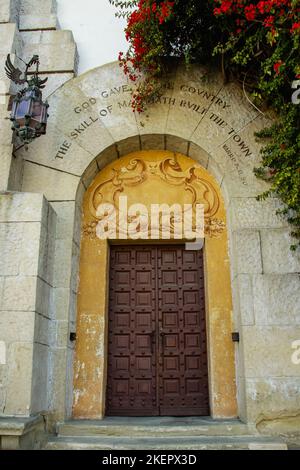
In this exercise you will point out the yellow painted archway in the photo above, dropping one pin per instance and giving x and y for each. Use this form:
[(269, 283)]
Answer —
[(152, 177)]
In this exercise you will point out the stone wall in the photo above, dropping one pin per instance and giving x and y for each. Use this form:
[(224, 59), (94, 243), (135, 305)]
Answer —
[(27, 235), (31, 337), (267, 286), (29, 27)]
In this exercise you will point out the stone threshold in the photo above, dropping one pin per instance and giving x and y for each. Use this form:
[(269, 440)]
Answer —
[(154, 426), (168, 433)]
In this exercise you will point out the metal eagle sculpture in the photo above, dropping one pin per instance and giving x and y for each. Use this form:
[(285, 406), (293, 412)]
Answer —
[(15, 74)]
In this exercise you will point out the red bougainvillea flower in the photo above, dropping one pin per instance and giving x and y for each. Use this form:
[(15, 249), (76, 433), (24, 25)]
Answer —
[(146, 18), (295, 27), (272, 14), (250, 12), (277, 66), (269, 21)]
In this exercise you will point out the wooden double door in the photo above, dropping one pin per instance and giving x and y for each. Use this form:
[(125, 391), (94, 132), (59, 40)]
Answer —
[(157, 358)]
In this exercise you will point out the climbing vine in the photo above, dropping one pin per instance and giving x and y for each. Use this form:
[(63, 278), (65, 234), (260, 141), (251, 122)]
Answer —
[(255, 42)]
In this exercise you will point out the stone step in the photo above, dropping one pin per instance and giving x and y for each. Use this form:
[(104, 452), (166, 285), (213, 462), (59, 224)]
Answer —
[(155, 427), (165, 443)]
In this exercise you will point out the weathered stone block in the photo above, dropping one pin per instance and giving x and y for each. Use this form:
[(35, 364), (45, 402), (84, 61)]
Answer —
[(45, 257), (19, 293), (268, 351), (2, 279), (214, 169), (126, 146), (8, 39), (75, 267), (5, 133), (176, 144), (5, 163), (35, 15), (62, 37), (69, 380), (17, 326), (153, 142), (277, 256), (90, 173), (276, 299), (243, 185), (73, 308), (57, 146), (268, 446), (272, 398), (56, 49), (16, 173), (5, 11), (62, 334), (33, 22), (11, 237), (189, 94), (56, 185), (77, 225), (43, 298), (43, 329), (30, 248), (112, 101), (65, 218), (61, 303), (80, 193), (40, 385), (22, 207), (27, 250), (249, 213), (244, 286), (63, 263), (107, 156), (246, 245), (198, 154), (21, 433), (55, 81), (18, 386), (57, 382), (45, 7)]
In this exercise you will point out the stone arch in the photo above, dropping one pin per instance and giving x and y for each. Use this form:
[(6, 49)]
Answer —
[(91, 124), (154, 169), (91, 116)]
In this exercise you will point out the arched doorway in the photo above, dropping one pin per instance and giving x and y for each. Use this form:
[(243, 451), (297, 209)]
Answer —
[(154, 177)]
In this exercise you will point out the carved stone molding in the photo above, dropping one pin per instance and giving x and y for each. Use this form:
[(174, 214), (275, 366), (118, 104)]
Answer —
[(161, 181)]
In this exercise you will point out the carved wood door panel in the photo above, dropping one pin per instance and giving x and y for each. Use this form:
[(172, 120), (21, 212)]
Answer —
[(131, 389), (157, 361)]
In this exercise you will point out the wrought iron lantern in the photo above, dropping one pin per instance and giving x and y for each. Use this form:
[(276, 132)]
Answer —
[(29, 112)]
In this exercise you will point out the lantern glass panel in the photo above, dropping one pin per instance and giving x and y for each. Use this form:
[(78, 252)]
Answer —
[(14, 110), (44, 113), (23, 109), (36, 111)]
